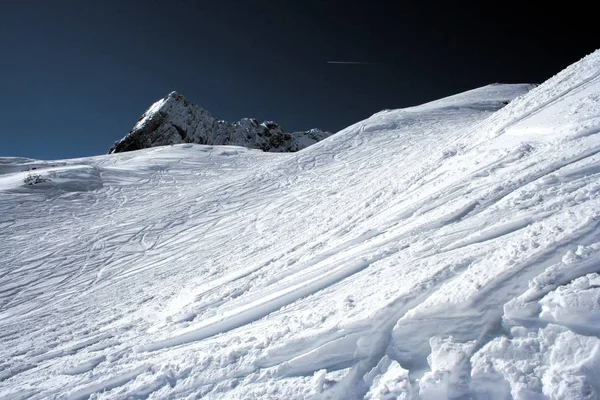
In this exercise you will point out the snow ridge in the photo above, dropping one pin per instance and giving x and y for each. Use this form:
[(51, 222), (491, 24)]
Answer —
[(175, 120)]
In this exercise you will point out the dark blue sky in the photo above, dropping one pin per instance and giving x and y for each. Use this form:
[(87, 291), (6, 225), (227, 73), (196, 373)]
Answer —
[(76, 75)]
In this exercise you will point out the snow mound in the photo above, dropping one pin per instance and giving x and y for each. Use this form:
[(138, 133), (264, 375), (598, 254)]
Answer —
[(53, 177), (175, 120), (445, 251)]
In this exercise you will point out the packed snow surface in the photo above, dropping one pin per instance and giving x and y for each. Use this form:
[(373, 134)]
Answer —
[(445, 251)]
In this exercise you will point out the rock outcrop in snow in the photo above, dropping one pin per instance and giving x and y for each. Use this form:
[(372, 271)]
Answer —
[(175, 120)]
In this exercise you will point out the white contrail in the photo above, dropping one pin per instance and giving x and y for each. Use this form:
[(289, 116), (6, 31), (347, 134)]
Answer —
[(353, 62)]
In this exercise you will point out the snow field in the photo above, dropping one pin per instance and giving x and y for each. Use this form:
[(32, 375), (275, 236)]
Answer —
[(449, 250)]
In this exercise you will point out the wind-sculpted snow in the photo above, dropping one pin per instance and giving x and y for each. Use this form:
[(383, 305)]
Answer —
[(174, 120), (445, 251)]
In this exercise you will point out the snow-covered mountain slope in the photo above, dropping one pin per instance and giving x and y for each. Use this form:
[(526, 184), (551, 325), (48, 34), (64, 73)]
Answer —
[(445, 251), (174, 120)]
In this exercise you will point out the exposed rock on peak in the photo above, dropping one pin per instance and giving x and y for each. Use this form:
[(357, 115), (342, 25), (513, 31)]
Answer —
[(174, 120)]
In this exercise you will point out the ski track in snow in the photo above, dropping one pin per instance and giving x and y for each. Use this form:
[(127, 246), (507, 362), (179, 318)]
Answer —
[(449, 250)]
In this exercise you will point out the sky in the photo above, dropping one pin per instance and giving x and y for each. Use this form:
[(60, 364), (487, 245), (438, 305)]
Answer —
[(76, 75)]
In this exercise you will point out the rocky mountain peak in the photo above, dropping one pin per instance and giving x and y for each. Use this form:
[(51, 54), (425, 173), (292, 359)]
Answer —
[(174, 119)]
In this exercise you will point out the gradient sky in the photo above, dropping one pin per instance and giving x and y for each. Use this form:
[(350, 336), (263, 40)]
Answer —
[(76, 75)]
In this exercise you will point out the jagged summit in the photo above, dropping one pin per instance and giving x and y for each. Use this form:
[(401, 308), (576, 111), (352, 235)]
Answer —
[(174, 119)]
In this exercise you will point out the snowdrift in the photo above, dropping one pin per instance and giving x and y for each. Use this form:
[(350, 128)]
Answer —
[(449, 250)]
